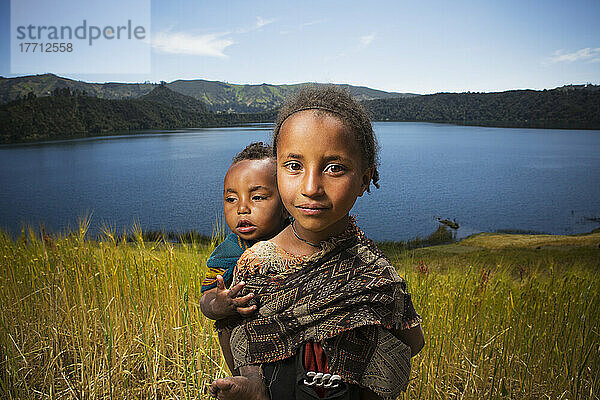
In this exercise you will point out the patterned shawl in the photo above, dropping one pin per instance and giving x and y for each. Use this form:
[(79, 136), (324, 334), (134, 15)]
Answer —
[(344, 296)]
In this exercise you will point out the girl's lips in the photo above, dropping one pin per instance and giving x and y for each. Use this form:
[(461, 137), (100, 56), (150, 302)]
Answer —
[(312, 209)]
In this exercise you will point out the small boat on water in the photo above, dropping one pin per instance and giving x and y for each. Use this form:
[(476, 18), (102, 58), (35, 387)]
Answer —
[(450, 224)]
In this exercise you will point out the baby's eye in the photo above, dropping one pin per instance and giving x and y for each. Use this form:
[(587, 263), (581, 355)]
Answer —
[(230, 199), (258, 197), (335, 168), (293, 166)]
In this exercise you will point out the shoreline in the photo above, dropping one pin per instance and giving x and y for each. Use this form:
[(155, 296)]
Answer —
[(167, 131), (441, 237)]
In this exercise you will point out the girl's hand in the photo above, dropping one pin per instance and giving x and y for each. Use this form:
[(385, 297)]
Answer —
[(226, 302)]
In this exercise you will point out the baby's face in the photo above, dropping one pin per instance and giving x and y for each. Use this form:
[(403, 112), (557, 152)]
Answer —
[(253, 209)]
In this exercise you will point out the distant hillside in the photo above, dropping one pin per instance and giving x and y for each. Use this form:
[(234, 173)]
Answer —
[(44, 85), (569, 107), (218, 96), (67, 115), (222, 96), (68, 108), (164, 95)]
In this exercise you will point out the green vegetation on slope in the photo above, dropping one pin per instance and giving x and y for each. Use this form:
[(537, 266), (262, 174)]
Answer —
[(65, 116), (43, 85), (220, 96), (255, 98), (110, 319), (161, 94), (64, 108), (567, 107)]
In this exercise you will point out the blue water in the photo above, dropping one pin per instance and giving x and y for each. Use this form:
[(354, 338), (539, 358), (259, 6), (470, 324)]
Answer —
[(485, 178)]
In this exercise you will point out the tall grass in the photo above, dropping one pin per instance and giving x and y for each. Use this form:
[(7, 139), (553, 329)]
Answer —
[(112, 319), (511, 323), (107, 319)]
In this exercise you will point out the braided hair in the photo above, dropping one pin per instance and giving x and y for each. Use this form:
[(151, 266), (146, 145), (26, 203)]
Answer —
[(338, 102)]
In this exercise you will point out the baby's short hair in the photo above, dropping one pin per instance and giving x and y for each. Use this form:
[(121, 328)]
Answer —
[(254, 151)]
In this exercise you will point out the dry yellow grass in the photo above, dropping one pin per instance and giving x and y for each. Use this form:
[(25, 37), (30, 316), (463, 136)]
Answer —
[(86, 319), (503, 240)]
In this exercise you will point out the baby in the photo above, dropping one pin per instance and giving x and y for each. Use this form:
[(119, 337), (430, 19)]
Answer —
[(254, 212)]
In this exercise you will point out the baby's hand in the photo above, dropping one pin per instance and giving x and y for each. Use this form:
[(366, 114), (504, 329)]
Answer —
[(226, 303)]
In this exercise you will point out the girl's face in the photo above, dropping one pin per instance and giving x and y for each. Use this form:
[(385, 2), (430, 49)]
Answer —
[(319, 173)]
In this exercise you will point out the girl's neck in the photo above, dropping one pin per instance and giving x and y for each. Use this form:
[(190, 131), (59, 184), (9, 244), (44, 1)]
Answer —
[(302, 242)]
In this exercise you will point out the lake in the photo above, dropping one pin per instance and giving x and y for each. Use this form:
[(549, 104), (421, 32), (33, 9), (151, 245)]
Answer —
[(485, 178)]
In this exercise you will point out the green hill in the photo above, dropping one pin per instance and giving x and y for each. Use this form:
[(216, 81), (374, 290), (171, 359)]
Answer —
[(48, 106), (569, 107), (218, 96), (44, 85), (254, 98), (162, 94), (65, 116)]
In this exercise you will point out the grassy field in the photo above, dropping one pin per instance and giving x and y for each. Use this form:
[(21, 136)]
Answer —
[(505, 316)]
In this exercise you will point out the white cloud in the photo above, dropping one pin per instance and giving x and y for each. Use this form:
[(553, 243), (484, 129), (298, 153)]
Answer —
[(318, 21), (583, 54), (301, 26), (260, 22), (363, 42), (366, 40), (211, 44)]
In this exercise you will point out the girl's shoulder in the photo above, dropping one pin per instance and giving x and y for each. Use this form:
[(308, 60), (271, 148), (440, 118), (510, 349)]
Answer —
[(268, 257), (257, 251)]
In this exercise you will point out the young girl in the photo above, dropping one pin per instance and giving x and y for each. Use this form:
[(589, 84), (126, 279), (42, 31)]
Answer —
[(334, 319)]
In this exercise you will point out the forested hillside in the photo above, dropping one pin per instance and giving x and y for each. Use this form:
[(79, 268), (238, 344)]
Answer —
[(65, 112), (222, 96), (576, 107), (162, 94), (44, 85), (218, 96), (72, 114)]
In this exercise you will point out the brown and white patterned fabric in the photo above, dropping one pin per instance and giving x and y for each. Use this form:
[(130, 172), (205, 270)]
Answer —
[(348, 296)]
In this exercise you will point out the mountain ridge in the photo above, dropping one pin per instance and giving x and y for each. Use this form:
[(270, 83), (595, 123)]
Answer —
[(70, 111), (164, 95), (218, 96)]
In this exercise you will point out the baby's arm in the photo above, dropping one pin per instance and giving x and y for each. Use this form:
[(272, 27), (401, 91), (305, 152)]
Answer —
[(220, 302), (412, 337)]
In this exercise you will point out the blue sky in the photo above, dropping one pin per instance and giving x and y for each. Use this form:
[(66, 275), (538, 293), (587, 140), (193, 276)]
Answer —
[(403, 46)]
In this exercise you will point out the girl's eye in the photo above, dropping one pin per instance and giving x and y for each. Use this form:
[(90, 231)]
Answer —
[(335, 168), (293, 166)]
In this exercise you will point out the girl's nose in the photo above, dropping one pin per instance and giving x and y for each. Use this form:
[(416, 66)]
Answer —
[(312, 186)]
